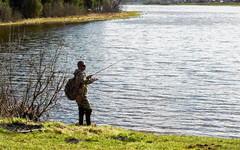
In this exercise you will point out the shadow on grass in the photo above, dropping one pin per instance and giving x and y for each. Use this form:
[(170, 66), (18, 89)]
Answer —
[(20, 127)]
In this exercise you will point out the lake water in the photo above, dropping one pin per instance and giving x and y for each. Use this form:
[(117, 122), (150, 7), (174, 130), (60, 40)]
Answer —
[(179, 72)]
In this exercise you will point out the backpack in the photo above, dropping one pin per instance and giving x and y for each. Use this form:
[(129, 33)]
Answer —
[(71, 89)]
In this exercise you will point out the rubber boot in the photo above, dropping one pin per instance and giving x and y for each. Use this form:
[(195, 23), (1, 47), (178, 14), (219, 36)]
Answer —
[(88, 116), (81, 114)]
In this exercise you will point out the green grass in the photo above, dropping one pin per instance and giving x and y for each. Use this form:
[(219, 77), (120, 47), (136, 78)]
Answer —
[(75, 19), (56, 135)]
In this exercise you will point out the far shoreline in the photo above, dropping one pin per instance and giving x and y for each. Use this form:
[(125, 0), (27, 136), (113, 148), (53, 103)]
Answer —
[(185, 4), (75, 19), (105, 16)]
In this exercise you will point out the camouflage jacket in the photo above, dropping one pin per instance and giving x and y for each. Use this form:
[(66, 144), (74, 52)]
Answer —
[(82, 82)]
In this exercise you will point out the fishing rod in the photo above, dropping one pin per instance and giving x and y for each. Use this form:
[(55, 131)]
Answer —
[(108, 67)]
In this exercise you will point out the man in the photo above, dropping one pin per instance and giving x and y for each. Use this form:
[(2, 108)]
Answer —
[(82, 81)]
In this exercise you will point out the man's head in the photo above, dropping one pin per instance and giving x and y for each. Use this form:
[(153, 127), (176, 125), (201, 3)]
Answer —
[(81, 66)]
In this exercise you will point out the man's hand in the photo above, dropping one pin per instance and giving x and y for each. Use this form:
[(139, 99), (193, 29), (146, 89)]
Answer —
[(89, 77)]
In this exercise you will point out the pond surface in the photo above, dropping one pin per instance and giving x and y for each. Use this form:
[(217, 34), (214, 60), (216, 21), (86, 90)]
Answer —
[(179, 74)]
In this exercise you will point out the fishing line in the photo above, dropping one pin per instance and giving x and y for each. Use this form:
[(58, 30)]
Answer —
[(108, 67)]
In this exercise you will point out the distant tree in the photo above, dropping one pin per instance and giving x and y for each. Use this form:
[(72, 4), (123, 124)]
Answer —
[(5, 12), (31, 8), (46, 1), (106, 5), (88, 4), (77, 3), (15, 4), (96, 5), (69, 1), (81, 4), (18, 9), (54, 9), (57, 1)]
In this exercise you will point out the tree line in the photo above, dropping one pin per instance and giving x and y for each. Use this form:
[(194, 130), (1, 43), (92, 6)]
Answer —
[(13, 10)]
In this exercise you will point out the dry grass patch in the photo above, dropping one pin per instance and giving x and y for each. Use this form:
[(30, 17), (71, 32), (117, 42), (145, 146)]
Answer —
[(75, 19)]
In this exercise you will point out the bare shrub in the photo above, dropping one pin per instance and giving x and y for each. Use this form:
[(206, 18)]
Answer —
[(70, 10), (16, 15), (57, 10), (53, 10), (37, 92), (47, 10), (116, 5), (111, 6), (106, 6), (61, 10)]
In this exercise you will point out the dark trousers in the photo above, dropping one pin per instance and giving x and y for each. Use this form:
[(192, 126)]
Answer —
[(87, 112)]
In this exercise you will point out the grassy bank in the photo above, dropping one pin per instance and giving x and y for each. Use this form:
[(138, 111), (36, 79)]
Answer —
[(55, 135), (75, 19)]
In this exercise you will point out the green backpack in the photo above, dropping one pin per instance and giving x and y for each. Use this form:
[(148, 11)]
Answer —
[(71, 89)]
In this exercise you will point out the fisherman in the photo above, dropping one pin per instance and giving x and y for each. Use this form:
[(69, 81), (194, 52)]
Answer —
[(82, 81)]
